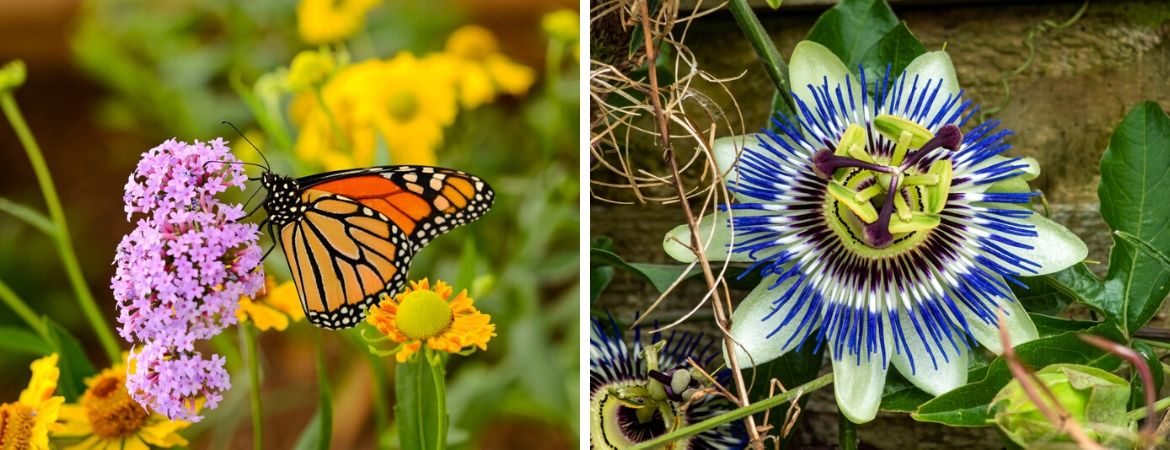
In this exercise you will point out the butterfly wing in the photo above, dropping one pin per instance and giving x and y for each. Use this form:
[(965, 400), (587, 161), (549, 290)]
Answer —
[(359, 229)]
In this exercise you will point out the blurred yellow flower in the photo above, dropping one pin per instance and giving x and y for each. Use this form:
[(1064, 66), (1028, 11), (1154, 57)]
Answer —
[(563, 25), (405, 101), (107, 418), (274, 308), (309, 69), (325, 21), (26, 423), (422, 314), (479, 67)]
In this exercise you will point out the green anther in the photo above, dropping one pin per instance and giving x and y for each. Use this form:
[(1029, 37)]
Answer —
[(926, 179), (865, 194), (853, 135), (863, 209), (657, 390), (901, 148), (937, 194), (917, 222), (892, 127), (858, 152), (901, 208), (679, 380), (12, 75), (861, 177)]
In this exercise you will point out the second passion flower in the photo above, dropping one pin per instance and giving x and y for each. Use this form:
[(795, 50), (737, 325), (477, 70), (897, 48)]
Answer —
[(881, 229)]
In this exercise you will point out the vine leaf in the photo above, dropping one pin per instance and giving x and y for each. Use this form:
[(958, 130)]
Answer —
[(853, 27), (896, 48), (1135, 183)]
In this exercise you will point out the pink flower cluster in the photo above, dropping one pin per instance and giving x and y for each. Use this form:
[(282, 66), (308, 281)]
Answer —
[(181, 271)]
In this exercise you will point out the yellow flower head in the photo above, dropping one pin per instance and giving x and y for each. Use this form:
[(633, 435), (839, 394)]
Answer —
[(107, 418), (274, 308), (404, 101), (563, 25), (422, 314), (308, 69), (479, 67), (26, 423), (325, 21)]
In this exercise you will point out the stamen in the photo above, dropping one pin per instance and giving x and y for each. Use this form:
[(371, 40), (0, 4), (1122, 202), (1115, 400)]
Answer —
[(892, 128), (854, 135), (900, 149), (937, 194), (917, 222), (927, 179), (862, 208)]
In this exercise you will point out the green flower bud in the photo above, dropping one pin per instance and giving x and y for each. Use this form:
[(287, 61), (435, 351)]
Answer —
[(1096, 399), (12, 75)]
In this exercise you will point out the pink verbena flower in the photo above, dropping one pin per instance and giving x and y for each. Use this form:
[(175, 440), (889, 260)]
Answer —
[(176, 384), (181, 271)]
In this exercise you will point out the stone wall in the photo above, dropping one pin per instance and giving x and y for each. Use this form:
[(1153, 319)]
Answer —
[(1063, 107)]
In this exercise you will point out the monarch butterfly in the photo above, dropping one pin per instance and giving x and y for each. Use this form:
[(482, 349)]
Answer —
[(349, 235)]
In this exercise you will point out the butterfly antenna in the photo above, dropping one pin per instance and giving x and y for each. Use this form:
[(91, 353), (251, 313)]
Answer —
[(267, 165)]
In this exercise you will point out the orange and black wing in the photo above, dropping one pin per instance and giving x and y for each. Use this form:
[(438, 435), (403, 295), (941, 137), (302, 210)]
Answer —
[(359, 229)]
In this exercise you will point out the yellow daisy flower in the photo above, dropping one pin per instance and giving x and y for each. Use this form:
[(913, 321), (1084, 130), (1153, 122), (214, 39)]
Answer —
[(562, 24), (324, 21), (404, 101), (274, 308), (107, 418), (422, 314), (480, 68), (26, 423)]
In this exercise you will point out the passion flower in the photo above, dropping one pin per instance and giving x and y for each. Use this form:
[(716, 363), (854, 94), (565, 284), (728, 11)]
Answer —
[(882, 230)]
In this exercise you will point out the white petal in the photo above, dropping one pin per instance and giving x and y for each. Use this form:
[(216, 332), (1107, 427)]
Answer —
[(1055, 248), (715, 236), (935, 376), (858, 385), (727, 151), (756, 323), (813, 64), (1019, 325), (931, 67), (1052, 249)]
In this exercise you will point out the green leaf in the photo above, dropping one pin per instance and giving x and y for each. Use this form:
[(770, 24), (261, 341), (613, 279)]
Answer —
[(900, 396), (897, 48), (1038, 295), (774, 4), (19, 341), (1135, 183), (422, 422), (852, 27), (75, 366), (1137, 398), (29, 215), (659, 275), (310, 437), (967, 406), (1051, 326), (600, 275)]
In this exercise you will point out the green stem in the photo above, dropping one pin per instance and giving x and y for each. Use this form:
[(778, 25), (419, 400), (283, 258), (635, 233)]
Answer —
[(846, 432), (56, 213), (250, 332), (760, 406), (381, 409), (10, 298), (770, 57), (1140, 413), (324, 397), (438, 375)]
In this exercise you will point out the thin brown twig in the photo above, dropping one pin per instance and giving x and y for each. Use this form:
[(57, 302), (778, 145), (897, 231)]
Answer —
[(668, 154), (1147, 436)]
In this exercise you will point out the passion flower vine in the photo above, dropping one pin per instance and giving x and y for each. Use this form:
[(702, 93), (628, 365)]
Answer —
[(883, 231), (637, 394)]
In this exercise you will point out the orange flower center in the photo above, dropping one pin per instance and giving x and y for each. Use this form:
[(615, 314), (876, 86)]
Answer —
[(16, 424), (111, 411)]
